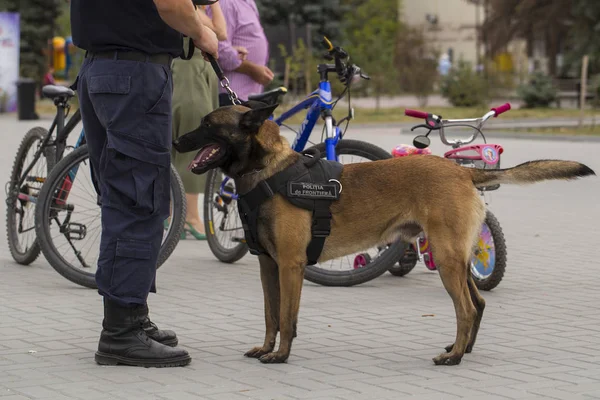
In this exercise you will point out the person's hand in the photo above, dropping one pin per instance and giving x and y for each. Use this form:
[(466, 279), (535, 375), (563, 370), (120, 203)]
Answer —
[(263, 75), (242, 52), (207, 42)]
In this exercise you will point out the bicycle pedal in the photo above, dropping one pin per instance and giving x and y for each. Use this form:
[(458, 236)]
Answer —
[(74, 231), (238, 239), (219, 204)]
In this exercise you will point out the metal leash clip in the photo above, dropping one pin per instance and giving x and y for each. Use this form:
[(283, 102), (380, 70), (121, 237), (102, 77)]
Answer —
[(223, 80)]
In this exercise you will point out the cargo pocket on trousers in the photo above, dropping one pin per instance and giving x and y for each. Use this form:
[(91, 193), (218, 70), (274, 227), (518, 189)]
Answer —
[(137, 174), (130, 276)]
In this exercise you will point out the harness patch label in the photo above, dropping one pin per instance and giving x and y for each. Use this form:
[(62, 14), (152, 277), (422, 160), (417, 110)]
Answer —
[(314, 191)]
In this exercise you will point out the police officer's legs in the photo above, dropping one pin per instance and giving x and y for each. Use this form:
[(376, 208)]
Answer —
[(125, 107)]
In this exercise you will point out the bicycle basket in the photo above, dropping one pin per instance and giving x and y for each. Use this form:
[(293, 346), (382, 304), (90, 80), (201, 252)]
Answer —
[(482, 156)]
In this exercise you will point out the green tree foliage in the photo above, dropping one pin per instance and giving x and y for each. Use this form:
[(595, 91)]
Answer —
[(324, 16), (37, 27), (584, 36), (463, 87), (540, 91), (416, 62), (371, 29)]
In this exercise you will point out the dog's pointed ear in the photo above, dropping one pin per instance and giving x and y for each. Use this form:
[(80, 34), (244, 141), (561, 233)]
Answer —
[(254, 104), (253, 119)]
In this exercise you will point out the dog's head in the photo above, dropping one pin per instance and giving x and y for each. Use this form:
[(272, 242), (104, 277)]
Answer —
[(233, 138)]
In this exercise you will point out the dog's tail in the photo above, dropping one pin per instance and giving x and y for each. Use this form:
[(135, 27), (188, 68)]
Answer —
[(531, 172)]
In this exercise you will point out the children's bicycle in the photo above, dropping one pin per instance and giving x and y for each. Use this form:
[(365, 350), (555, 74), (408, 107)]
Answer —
[(223, 226), (489, 258)]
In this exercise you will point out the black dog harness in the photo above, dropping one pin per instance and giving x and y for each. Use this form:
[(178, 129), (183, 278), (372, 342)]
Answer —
[(310, 183)]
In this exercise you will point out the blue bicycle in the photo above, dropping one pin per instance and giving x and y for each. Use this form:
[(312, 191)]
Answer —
[(224, 231)]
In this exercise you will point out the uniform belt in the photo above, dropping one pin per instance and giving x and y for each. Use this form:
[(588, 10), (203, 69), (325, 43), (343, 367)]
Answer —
[(163, 58)]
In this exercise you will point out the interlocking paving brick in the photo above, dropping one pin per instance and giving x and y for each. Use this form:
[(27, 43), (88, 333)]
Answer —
[(538, 338)]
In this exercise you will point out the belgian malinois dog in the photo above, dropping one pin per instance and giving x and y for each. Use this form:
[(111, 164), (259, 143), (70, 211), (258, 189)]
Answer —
[(387, 199)]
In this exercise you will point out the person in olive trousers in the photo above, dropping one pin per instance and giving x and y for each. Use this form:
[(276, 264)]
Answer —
[(195, 94)]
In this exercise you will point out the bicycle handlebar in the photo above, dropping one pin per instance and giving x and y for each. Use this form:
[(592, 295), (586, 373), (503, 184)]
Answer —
[(415, 113), (502, 109), (435, 122), (345, 72)]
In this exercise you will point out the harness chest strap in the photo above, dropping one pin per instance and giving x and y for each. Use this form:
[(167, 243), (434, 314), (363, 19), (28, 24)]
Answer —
[(306, 184)]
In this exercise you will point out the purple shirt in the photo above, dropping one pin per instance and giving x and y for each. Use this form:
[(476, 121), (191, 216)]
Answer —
[(243, 29)]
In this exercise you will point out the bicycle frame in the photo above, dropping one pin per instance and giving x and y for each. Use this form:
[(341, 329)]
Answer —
[(52, 150), (65, 188), (319, 103)]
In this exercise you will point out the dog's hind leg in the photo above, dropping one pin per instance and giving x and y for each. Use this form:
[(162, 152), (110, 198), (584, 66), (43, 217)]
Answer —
[(479, 303), (269, 276), (291, 276), (453, 272)]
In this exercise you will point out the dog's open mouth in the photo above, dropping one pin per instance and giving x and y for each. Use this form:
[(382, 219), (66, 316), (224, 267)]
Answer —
[(206, 156)]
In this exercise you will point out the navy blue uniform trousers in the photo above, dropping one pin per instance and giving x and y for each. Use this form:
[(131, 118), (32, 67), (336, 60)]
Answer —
[(126, 112)]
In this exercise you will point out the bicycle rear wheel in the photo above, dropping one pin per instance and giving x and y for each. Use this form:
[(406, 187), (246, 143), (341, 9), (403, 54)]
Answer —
[(21, 201), (60, 229), (362, 267)]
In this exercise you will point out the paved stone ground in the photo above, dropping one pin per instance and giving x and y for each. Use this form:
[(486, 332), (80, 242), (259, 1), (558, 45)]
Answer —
[(539, 338)]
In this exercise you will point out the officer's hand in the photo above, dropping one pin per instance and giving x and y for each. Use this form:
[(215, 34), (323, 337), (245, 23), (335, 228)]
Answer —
[(208, 42)]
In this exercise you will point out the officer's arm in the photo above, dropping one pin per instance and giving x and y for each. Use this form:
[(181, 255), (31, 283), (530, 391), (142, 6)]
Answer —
[(181, 16)]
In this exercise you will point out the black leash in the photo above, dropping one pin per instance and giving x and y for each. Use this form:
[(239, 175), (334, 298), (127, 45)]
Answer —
[(217, 68)]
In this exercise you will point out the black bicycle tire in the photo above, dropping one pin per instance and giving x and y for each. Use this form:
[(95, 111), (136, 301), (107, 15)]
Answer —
[(402, 268), (42, 226), (178, 220), (500, 247), (376, 268), (29, 256), (228, 256)]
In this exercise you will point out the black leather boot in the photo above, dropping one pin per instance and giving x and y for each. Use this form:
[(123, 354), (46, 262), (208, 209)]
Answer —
[(164, 336), (124, 340)]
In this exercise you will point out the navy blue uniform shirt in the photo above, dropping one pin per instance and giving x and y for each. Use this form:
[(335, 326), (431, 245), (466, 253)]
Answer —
[(107, 25)]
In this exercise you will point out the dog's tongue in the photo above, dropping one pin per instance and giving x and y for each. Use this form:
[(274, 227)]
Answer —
[(205, 155)]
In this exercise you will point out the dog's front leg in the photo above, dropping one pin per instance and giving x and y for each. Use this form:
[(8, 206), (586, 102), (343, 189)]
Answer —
[(291, 276), (269, 276)]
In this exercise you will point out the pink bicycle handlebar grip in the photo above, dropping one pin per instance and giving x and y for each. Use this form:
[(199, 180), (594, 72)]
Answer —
[(502, 109), (415, 113)]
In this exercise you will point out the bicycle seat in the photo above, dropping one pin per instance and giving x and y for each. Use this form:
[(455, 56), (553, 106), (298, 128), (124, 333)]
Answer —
[(54, 91), (271, 97)]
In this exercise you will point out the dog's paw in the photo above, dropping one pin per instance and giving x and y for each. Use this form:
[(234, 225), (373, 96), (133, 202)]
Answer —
[(451, 346), (257, 352), (273, 358), (447, 359)]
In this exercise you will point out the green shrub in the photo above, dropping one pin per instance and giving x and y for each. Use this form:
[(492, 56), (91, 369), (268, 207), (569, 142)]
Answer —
[(540, 91), (463, 87)]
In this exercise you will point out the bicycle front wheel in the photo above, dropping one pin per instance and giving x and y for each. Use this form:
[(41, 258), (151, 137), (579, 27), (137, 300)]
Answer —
[(68, 219), (362, 267), (224, 232)]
